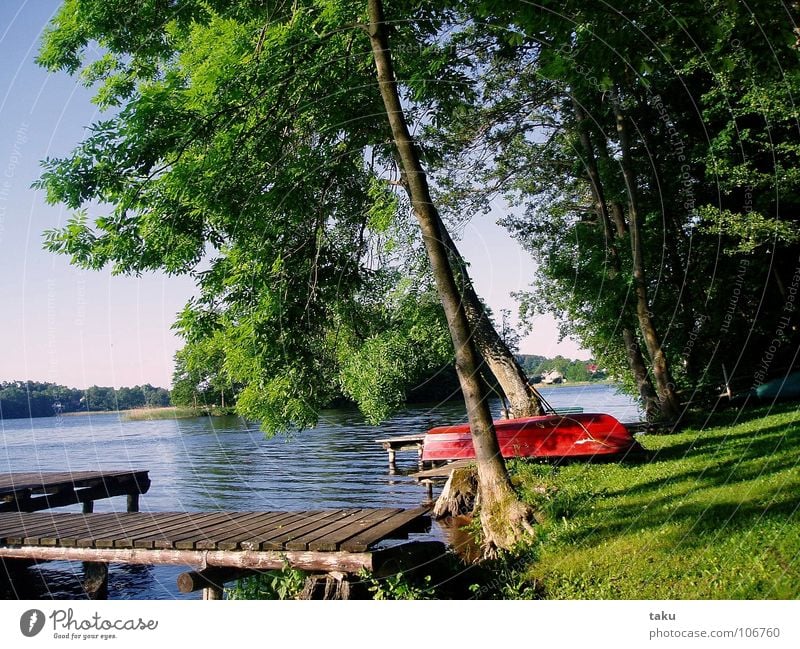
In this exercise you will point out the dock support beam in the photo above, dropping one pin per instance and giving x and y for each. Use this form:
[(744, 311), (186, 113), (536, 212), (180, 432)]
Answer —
[(133, 502)]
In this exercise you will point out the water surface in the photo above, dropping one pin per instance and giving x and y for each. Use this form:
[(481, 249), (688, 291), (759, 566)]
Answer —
[(224, 463)]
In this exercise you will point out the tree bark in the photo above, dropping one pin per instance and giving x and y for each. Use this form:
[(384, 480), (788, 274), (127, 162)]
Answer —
[(504, 518), (524, 400), (668, 399), (633, 351)]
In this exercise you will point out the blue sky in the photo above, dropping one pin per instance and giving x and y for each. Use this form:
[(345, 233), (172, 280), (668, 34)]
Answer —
[(81, 328)]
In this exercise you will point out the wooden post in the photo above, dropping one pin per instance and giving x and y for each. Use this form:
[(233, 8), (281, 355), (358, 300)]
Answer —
[(420, 463), (88, 506), (95, 580), (392, 465), (212, 592), (133, 502), (428, 489)]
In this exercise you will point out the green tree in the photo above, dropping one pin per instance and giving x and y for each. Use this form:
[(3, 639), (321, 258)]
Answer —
[(259, 139), (638, 142)]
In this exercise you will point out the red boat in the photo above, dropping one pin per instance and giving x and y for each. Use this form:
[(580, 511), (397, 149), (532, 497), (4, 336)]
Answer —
[(584, 435)]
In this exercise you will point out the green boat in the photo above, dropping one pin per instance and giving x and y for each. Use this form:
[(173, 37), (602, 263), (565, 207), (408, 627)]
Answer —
[(784, 387)]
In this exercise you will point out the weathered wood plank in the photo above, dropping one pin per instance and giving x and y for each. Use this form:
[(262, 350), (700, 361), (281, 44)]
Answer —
[(164, 538), (440, 471), (238, 527), (45, 526), (302, 542), (135, 525), (198, 531), (330, 541), (396, 524), (116, 530), (255, 537), (269, 523), (66, 531), (14, 525), (277, 541)]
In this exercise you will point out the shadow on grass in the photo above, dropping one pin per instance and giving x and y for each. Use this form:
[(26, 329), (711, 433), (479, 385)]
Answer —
[(739, 456)]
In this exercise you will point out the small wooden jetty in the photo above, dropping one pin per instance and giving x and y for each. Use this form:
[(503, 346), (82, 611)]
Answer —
[(402, 443), (219, 546), (429, 477), (35, 491)]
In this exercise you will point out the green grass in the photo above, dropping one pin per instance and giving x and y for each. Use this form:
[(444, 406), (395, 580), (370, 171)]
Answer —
[(713, 515), (175, 412)]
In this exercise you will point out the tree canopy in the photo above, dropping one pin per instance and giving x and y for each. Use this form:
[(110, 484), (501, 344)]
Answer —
[(304, 161)]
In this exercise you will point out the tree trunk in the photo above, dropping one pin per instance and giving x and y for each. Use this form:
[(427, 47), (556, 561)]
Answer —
[(523, 398), (668, 400), (633, 351), (504, 518)]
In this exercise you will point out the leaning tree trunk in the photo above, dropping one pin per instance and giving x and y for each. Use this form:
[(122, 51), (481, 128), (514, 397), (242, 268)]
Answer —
[(668, 399), (523, 398), (633, 351), (504, 519)]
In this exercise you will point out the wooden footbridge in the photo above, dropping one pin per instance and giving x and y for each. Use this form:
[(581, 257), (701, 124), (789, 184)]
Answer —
[(218, 546)]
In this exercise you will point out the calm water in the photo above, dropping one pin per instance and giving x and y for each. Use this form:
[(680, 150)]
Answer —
[(227, 464)]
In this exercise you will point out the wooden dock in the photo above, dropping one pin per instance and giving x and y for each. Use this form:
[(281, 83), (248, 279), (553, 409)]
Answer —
[(429, 477), (342, 540), (35, 491), (402, 443)]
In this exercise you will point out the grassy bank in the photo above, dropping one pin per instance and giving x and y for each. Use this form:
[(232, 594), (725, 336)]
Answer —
[(170, 412), (714, 514)]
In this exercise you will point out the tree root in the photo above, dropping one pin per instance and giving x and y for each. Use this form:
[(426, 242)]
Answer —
[(505, 521), (506, 524)]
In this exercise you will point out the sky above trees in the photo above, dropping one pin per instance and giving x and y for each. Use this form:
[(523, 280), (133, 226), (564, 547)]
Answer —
[(79, 328)]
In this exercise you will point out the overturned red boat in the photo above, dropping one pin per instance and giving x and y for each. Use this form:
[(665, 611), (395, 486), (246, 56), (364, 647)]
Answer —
[(584, 435)]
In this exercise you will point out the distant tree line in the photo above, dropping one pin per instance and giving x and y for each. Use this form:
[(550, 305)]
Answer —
[(22, 399), (571, 369)]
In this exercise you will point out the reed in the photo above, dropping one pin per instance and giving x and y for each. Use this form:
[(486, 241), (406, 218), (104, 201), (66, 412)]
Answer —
[(169, 412)]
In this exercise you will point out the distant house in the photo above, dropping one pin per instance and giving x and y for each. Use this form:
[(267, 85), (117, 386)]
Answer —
[(554, 376)]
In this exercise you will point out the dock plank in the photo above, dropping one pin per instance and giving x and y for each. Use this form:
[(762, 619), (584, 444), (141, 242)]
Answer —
[(253, 532), (262, 539), (236, 527), (330, 541), (441, 471), (301, 526), (66, 531), (188, 539), (302, 542), (395, 524), (15, 526), (192, 528)]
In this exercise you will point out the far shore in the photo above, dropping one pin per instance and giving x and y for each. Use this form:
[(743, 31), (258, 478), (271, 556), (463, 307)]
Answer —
[(160, 412), (570, 384)]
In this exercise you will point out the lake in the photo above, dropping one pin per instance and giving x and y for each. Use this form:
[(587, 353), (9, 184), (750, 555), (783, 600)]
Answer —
[(227, 464)]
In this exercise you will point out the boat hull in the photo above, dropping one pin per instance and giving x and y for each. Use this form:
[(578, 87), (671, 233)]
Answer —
[(585, 435)]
